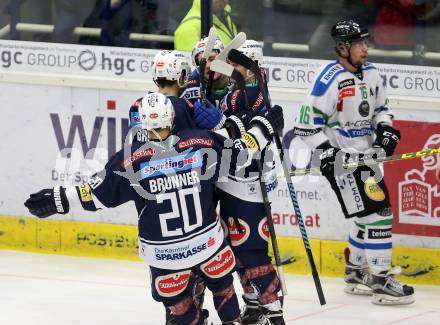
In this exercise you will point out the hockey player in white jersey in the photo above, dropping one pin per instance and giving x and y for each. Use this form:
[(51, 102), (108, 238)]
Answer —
[(347, 111), (243, 211)]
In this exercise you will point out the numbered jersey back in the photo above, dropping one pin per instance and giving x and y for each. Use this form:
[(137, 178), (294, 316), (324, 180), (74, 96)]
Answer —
[(178, 226)]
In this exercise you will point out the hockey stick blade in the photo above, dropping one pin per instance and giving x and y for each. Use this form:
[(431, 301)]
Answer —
[(228, 70), (238, 41), (372, 162), (212, 36), (222, 67), (206, 53)]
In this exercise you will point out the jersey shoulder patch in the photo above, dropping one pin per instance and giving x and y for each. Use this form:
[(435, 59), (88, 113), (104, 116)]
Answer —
[(326, 78), (368, 66)]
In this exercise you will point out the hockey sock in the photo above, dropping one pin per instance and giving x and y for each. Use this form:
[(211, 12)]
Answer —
[(356, 244), (226, 304), (186, 312), (378, 240), (264, 280)]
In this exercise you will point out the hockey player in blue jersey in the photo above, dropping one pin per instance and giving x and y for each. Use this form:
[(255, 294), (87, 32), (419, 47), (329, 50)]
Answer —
[(171, 178), (170, 72), (252, 97), (220, 82), (347, 111), (242, 209)]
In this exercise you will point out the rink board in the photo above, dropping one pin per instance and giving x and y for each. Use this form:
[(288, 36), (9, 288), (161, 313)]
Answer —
[(120, 242), (67, 114), (70, 133)]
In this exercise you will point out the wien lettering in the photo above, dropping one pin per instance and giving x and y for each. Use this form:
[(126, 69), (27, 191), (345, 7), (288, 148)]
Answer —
[(77, 130)]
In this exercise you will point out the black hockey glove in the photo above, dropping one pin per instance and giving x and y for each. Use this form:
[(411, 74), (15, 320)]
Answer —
[(238, 123), (270, 121), (387, 138), (327, 157), (48, 202)]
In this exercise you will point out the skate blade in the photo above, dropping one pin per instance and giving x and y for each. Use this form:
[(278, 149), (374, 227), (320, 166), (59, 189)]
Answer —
[(381, 299), (358, 289)]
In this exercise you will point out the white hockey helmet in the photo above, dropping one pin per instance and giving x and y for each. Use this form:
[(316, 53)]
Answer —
[(172, 66), (253, 50), (156, 112), (200, 46)]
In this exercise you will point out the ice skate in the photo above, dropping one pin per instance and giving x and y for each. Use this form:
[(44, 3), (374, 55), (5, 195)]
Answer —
[(357, 280), (388, 291), (255, 314), (269, 317), (250, 312)]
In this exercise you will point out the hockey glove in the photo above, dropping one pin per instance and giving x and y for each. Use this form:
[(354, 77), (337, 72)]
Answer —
[(270, 121), (238, 123), (48, 202), (208, 116), (387, 138), (327, 156)]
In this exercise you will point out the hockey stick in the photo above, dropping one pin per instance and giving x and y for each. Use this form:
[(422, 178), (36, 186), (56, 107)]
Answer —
[(243, 60), (229, 70), (208, 49), (370, 162), (238, 41)]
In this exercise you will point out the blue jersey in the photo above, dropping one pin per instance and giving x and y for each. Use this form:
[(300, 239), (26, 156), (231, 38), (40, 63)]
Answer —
[(173, 189), (184, 119), (248, 188), (235, 100), (192, 89)]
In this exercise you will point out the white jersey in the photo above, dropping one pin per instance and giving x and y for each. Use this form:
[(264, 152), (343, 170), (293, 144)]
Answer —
[(248, 188), (344, 108)]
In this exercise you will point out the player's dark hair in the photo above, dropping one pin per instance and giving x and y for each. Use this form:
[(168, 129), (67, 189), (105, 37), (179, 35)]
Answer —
[(164, 83)]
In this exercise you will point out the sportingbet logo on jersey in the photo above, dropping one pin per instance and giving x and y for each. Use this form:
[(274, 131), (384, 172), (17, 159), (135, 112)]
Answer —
[(171, 165)]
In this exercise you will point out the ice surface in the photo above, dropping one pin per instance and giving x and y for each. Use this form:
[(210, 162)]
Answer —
[(40, 289)]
